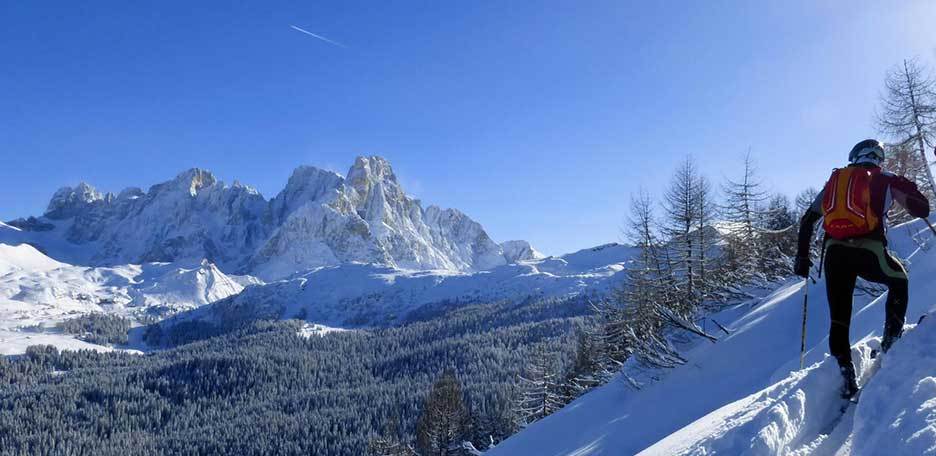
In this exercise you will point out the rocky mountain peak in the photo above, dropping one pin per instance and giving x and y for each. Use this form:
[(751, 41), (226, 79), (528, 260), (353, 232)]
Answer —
[(70, 201), (130, 194), (306, 178), (193, 180), (307, 184), (516, 251), (319, 219), (369, 171)]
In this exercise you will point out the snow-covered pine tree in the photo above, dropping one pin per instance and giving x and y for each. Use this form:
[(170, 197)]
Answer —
[(908, 110), (681, 219), (754, 253), (648, 306), (778, 215), (538, 389), (390, 442), (708, 282), (489, 421), (742, 210), (781, 224), (588, 368), (603, 345), (649, 282), (443, 422)]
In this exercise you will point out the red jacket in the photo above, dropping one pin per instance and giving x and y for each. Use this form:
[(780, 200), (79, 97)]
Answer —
[(886, 188)]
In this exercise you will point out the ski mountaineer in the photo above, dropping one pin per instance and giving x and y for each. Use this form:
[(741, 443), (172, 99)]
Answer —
[(854, 205)]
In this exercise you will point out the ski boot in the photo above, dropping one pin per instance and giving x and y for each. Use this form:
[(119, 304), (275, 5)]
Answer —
[(890, 336), (850, 384)]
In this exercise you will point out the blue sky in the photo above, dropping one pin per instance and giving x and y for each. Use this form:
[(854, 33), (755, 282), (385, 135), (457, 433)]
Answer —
[(537, 119)]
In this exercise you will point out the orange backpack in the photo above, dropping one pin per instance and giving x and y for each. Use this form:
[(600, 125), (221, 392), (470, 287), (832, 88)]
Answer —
[(846, 203)]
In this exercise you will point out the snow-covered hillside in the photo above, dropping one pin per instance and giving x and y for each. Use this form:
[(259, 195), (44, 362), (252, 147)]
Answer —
[(746, 395), (319, 219), (37, 292), (365, 295)]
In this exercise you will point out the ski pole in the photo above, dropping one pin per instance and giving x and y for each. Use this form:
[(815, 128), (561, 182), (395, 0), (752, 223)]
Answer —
[(802, 356), (822, 255)]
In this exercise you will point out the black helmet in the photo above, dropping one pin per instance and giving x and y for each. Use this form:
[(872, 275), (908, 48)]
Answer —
[(869, 150)]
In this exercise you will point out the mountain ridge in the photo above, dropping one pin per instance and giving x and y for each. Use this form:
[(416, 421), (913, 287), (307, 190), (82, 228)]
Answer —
[(318, 219)]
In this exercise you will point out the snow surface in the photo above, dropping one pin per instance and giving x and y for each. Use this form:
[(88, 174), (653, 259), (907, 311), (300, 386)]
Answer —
[(355, 295), (16, 342), (37, 292), (24, 256), (746, 395), (314, 329)]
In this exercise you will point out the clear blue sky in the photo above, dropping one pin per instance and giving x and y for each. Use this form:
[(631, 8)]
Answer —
[(536, 119)]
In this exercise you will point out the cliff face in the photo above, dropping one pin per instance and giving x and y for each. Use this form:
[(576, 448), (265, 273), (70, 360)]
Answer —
[(319, 219)]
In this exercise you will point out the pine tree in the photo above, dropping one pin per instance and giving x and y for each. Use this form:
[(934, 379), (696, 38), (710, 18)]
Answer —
[(681, 209), (489, 424), (781, 225), (390, 442), (538, 389), (748, 252), (742, 209), (649, 308), (649, 282), (706, 236), (778, 214), (588, 368), (444, 419), (908, 110)]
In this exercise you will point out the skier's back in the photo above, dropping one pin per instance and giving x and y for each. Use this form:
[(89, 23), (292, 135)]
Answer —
[(855, 202)]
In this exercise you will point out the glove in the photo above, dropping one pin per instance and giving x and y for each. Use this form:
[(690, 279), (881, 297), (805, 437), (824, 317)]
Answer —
[(801, 266)]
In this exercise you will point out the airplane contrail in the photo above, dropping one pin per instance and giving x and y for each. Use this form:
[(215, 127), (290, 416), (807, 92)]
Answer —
[(318, 36)]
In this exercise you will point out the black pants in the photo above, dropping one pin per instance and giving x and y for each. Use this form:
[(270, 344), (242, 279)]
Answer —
[(845, 261)]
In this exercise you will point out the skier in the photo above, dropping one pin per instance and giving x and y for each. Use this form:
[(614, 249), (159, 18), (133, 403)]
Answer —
[(854, 205)]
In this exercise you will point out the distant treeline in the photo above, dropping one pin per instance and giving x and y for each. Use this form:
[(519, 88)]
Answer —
[(98, 328)]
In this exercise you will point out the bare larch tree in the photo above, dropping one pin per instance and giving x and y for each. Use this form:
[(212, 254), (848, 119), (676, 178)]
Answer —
[(908, 109)]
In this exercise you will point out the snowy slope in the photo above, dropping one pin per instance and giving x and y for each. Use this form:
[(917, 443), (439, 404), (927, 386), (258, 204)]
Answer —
[(24, 257), (366, 295), (745, 394), (37, 292)]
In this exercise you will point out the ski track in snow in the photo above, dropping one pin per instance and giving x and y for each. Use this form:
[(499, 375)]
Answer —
[(745, 395)]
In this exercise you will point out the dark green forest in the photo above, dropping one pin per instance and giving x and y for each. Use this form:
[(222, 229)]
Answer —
[(263, 389)]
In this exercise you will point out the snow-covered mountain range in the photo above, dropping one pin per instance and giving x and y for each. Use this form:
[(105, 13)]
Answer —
[(344, 251), (319, 219)]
